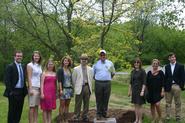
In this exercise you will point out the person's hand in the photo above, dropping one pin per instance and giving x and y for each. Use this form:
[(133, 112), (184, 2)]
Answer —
[(129, 93), (61, 92), (30, 91), (162, 93), (142, 93), (42, 96)]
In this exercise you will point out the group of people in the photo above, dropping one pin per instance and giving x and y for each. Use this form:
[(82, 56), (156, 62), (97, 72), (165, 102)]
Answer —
[(42, 87), (156, 84)]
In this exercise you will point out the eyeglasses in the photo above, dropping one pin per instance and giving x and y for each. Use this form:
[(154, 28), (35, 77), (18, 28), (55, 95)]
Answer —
[(136, 62)]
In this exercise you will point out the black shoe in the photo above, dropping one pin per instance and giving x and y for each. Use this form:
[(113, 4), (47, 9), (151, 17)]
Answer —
[(85, 119), (76, 119), (98, 117), (178, 120), (105, 116)]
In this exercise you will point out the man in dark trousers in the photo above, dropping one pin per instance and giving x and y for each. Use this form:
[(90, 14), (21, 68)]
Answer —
[(16, 88), (103, 72), (174, 84)]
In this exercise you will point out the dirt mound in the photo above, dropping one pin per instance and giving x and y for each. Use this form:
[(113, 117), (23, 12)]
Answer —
[(121, 115)]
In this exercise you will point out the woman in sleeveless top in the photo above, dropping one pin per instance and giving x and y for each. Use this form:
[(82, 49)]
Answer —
[(34, 72), (48, 91), (155, 87)]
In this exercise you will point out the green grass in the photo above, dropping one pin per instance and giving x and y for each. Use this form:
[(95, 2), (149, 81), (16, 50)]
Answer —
[(118, 99)]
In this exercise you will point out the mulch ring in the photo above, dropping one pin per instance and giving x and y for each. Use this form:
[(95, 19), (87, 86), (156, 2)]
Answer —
[(121, 116)]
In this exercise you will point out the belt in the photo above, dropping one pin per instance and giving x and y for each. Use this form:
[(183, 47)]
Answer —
[(103, 81), (67, 87), (174, 84), (86, 84)]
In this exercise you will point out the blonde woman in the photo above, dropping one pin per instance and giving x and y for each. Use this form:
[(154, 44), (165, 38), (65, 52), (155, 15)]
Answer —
[(48, 91), (155, 87)]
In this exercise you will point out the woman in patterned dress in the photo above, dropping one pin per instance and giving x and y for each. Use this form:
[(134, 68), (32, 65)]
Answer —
[(65, 86)]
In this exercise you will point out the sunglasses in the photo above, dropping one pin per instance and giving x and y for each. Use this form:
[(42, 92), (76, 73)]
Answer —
[(83, 59)]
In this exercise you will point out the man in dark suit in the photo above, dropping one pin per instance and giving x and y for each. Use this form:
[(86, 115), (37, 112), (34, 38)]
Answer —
[(16, 88), (174, 83)]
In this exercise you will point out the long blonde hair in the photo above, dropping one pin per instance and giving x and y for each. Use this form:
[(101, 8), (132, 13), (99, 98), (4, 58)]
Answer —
[(50, 61)]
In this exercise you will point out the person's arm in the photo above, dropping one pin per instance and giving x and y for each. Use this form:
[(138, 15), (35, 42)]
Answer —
[(144, 83), (7, 77), (182, 77), (143, 90), (162, 82), (60, 88), (74, 76), (113, 71), (29, 75), (165, 78), (147, 80), (129, 88), (94, 70), (42, 85), (59, 76)]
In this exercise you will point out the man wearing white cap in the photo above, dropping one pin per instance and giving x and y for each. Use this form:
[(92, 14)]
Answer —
[(103, 72)]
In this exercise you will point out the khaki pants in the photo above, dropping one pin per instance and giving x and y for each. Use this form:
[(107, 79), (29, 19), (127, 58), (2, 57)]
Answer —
[(176, 94), (83, 97)]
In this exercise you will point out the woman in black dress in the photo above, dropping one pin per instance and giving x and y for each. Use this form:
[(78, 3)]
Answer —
[(154, 84), (136, 89)]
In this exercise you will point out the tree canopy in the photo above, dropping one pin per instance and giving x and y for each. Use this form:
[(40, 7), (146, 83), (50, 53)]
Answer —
[(126, 29)]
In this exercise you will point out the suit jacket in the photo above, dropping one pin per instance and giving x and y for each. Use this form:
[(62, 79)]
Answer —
[(178, 76), (77, 78), (11, 78)]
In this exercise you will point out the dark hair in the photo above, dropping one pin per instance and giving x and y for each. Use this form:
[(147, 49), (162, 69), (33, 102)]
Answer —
[(50, 60), (17, 51), (36, 52), (68, 58), (139, 61), (171, 54)]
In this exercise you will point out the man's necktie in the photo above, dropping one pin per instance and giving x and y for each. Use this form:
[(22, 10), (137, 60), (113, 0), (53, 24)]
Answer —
[(21, 75)]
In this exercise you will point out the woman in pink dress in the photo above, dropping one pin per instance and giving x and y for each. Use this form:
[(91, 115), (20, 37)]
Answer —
[(48, 91)]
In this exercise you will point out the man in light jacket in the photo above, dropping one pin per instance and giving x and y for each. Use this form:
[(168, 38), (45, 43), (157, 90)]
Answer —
[(82, 77)]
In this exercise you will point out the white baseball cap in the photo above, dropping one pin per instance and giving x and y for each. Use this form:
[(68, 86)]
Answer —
[(102, 51)]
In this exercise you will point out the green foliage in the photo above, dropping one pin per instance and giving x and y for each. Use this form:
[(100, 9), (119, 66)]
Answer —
[(159, 42)]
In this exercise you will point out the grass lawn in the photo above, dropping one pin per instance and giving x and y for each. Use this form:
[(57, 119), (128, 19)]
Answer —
[(118, 99)]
